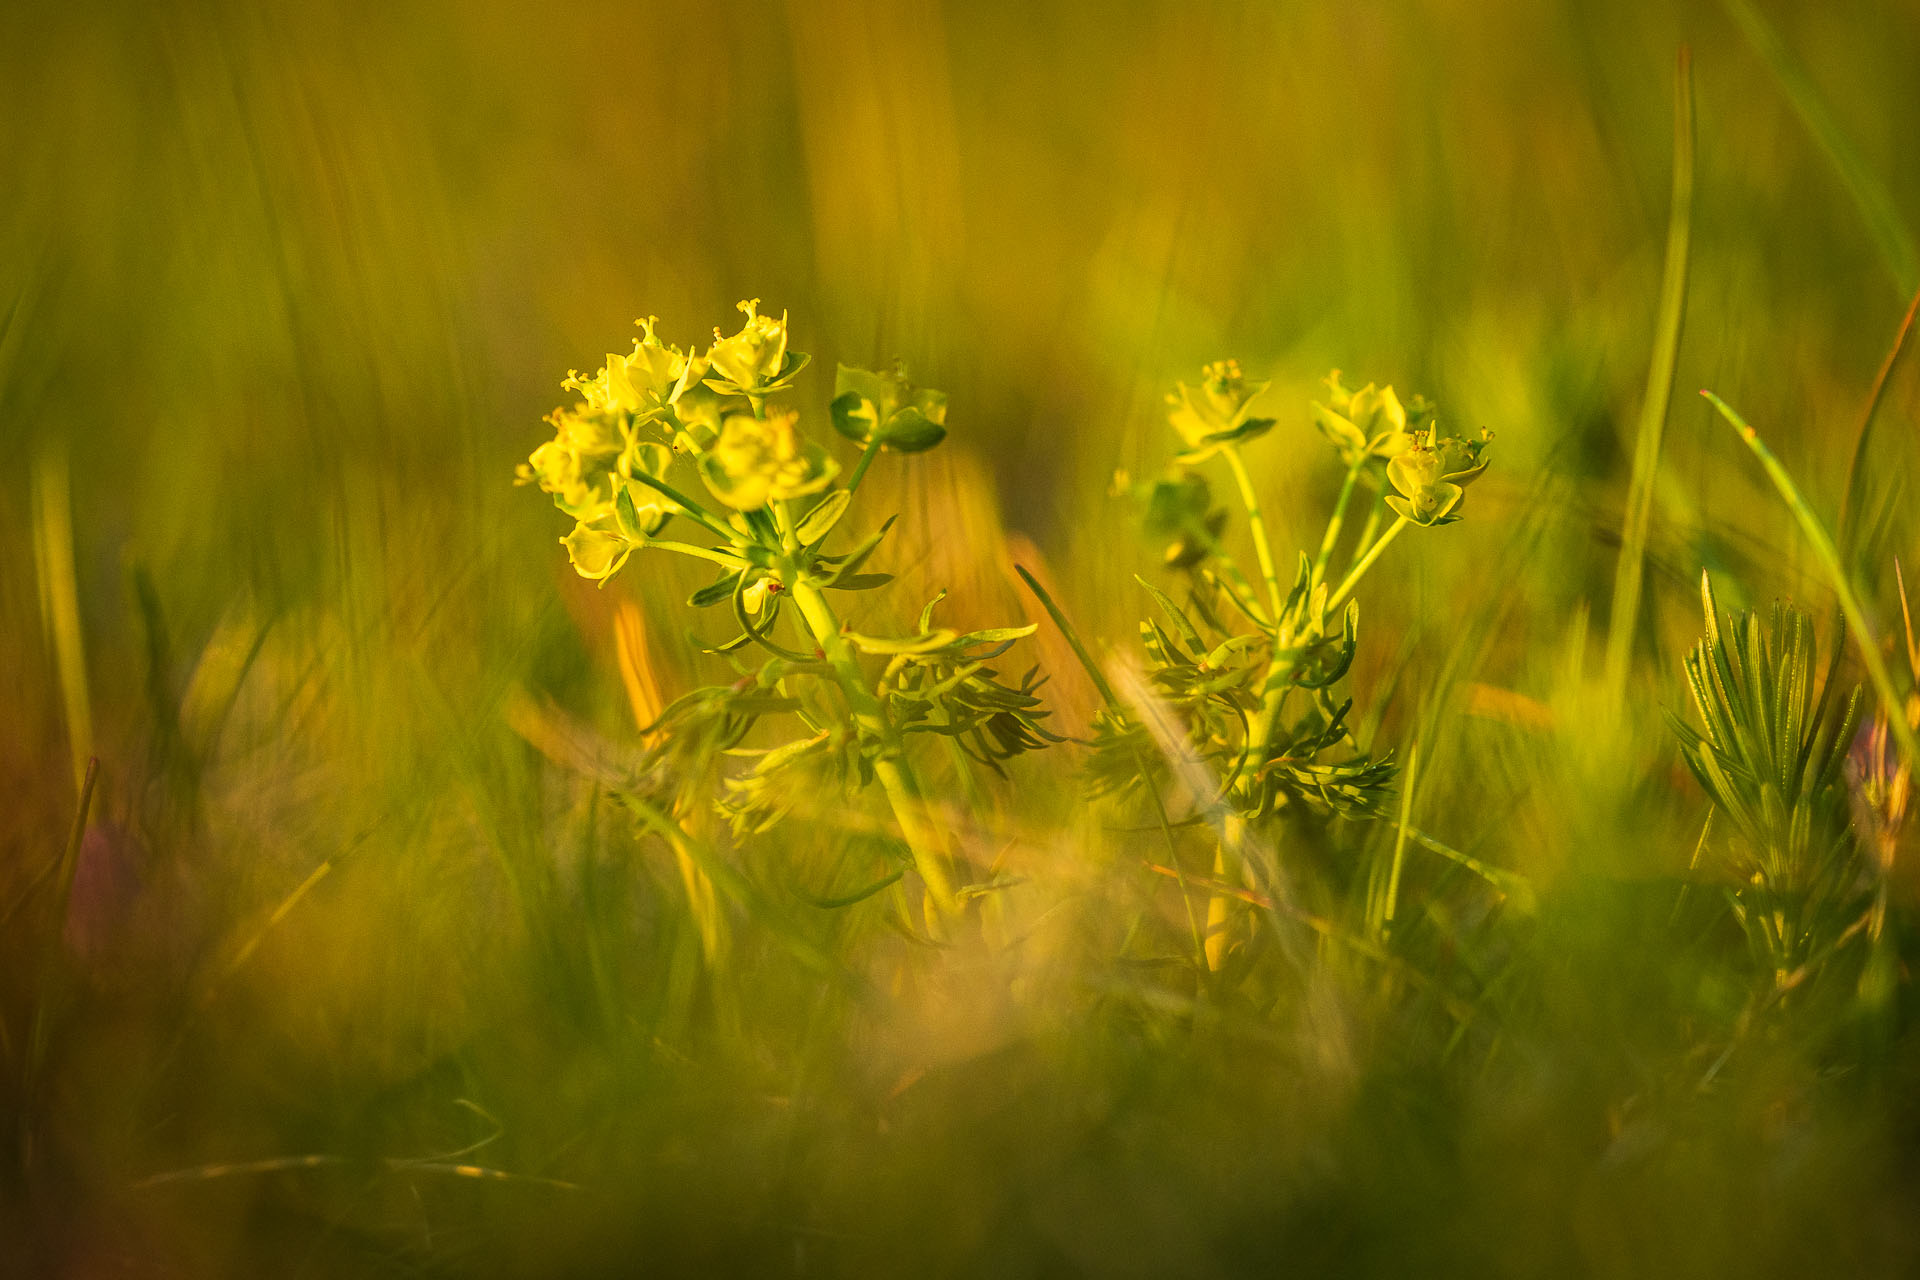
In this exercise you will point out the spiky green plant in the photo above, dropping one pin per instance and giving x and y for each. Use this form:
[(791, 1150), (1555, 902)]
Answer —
[(1770, 754)]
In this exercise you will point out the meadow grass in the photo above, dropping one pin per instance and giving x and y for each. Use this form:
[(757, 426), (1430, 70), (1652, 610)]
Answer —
[(360, 950)]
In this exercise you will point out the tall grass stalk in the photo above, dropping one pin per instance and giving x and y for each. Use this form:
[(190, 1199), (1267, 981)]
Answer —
[(1624, 618)]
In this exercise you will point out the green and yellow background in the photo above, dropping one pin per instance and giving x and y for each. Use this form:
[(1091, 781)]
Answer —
[(356, 977)]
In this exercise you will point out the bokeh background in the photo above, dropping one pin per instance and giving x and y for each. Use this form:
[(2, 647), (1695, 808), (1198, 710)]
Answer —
[(284, 293)]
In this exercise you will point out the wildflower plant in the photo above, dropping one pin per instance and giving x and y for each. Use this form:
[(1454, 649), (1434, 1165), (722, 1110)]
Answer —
[(1252, 675), (696, 454)]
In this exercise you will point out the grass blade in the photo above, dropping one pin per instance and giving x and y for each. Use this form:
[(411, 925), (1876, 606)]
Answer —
[(60, 600), (1884, 224), (1829, 558), (1653, 410), (1852, 497)]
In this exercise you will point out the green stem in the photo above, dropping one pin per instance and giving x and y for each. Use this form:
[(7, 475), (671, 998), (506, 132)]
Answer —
[(1094, 673), (1400, 840), (1829, 558), (1653, 409), (1372, 526), (891, 768), (1334, 523), (725, 560), (1233, 829), (1364, 563), (1114, 709), (689, 508), (860, 467), (1257, 526)]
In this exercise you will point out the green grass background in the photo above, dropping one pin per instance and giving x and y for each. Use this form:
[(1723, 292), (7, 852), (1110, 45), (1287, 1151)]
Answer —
[(289, 289)]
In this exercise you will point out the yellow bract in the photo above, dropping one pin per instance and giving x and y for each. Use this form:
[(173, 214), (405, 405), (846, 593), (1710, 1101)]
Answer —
[(596, 547)]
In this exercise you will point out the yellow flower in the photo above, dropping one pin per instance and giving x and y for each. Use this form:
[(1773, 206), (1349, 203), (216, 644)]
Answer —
[(1432, 474), (760, 460), (754, 361), (575, 466), (1215, 412), (1368, 423)]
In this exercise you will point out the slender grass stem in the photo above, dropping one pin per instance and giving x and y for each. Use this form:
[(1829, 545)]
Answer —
[(1870, 194), (1105, 689), (1407, 780), (1829, 558), (1623, 619), (1099, 678), (60, 600), (1851, 498)]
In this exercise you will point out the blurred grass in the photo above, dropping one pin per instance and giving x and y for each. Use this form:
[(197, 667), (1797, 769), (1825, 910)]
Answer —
[(290, 290)]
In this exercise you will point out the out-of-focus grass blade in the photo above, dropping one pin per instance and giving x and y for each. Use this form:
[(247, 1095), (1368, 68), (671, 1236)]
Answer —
[(1824, 551), (1884, 224), (60, 599), (1653, 410), (1852, 498)]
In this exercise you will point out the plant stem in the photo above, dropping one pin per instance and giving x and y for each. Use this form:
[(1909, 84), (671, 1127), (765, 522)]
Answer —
[(1114, 708), (1257, 526), (1335, 522), (689, 508), (1653, 409), (1400, 840), (860, 467), (1233, 831), (1364, 563), (725, 559), (1372, 526), (891, 768)]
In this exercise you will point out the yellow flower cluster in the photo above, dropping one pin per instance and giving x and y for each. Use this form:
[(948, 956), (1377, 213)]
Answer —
[(760, 460), (638, 411)]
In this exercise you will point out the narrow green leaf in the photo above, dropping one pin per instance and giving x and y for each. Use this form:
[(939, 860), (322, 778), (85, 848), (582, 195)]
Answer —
[(715, 592), (1870, 195), (820, 521), (1829, 558), (1184, 625), (1625, 614)]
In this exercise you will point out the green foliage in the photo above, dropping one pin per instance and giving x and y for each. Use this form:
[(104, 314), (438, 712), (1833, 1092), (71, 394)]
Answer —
[(772, 551), (1255, 687), (1770, 753), (437, 913)]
